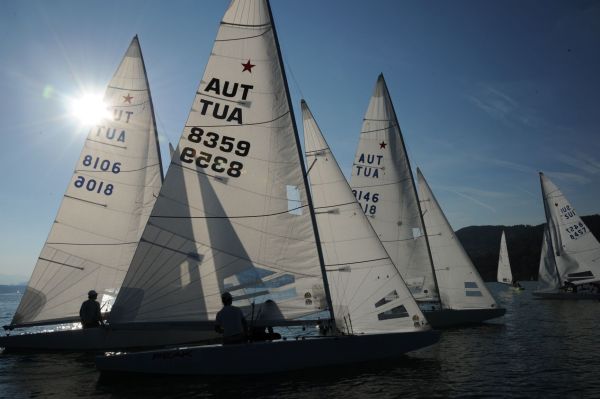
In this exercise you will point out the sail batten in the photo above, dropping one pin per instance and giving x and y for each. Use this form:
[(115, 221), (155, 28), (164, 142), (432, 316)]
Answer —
[(104, 208)]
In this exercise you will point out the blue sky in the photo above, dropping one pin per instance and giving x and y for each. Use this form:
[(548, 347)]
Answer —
[(487, 93)]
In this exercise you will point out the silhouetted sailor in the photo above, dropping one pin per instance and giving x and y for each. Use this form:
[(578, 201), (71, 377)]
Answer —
[(231, 321), (89, 313)]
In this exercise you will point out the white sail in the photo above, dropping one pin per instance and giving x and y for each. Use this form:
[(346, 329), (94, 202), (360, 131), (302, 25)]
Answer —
[(548, 274), (504, 272), (367, 291), (576, 250), (105, 206), (383, 185), (233, 213), (459, 283)]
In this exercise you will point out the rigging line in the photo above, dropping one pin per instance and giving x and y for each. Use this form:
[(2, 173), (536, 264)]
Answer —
[(311, 166), (109, 144), (368, 166), (121, 88), (239, 102), (379, 130), (242, 124), (383, 184), (89, 202), (316, 152), (336, 205), (121, 171), (246, 37), (77, 243), (245, 25), (354, 263), (229, 217)]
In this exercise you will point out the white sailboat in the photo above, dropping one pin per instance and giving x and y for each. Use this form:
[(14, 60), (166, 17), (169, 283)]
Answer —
[(504, 274), (367, 291), (570, 258), (235, 214), (383, 184), (464, 295), (99, 222)]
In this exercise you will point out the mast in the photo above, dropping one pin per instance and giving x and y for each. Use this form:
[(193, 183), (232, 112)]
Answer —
[(162, 176), (548, 218), (412, 179), (304, 175)]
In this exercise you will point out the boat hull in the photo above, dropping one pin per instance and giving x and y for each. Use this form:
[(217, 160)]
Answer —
[(567, 295), (461, 317), (268, 357), (102, 339)]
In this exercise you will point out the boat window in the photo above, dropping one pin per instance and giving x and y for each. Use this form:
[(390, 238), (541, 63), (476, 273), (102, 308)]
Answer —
[(387, 299), (294, 202), (473, 293), (471, 284), (393, 313)]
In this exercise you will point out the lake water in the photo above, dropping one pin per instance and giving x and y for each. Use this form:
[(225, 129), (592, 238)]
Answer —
[(539, 349)]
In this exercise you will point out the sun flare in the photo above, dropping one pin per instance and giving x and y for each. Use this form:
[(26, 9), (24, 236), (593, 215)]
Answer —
[(89, 109)]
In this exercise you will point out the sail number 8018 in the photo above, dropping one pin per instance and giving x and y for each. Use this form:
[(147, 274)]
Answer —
[(217, 163)]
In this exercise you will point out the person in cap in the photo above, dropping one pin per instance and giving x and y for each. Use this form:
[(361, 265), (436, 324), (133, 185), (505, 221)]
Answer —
[(231, 322), (89, 313)]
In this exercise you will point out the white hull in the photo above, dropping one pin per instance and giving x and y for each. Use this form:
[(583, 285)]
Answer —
[(268, 357), (102, 339), (460, 317), (567, 295)]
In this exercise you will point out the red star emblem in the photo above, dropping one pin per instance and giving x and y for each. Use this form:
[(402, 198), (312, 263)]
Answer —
[(382, 145), (248, 66), (127, 99)]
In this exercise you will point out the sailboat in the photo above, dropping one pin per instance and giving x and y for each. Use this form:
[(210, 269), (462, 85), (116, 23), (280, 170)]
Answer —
[(98, 225), (570, 258), (504, 274), (464, 295), (383, 183), (235, 214)]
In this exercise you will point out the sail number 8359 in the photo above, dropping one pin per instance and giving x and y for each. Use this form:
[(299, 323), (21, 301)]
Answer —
[(217, 163)]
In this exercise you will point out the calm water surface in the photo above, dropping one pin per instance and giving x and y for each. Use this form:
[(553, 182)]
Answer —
[(539, 349)]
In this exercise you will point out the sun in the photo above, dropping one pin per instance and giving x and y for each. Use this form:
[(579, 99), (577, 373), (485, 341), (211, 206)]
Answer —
[(89, 109)]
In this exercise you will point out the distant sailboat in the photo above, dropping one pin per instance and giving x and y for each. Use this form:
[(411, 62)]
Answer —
[(570, 258), (99, 222), (235, 214), (383, 183), (504, 272), (464, 295)]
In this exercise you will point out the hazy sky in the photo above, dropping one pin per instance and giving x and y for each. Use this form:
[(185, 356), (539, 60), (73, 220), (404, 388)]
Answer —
[(487, 93)]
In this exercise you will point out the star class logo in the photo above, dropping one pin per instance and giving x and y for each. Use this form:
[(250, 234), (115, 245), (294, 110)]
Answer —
[(382, 145), (127, 99), (248, 66)]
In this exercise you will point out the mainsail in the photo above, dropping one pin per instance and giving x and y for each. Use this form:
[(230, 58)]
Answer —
[(383, 185), (367, 291), (576, 250), (233, 213), (105, 206), (459, 283), (504, 272), (548, 279)]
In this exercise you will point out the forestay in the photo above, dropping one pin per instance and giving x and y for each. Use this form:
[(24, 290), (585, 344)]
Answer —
[(576, 250), (233, 214), (383, 185), (504, 272), (548, 279), (105, 206), (367, 291), (459, 283)]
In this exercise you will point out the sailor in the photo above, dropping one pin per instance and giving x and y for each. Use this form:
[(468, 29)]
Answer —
[(261, 331), (89, 312), (231, 322)]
